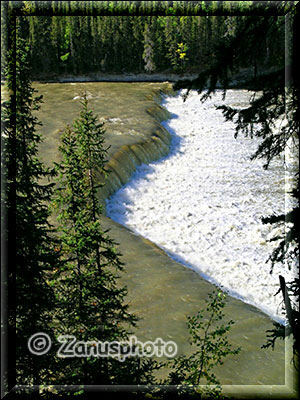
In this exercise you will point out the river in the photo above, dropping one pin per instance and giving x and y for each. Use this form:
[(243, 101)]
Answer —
[(161, 291), (204, 201)]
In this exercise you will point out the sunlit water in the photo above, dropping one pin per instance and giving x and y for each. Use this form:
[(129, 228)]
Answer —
[(203, 203), (160, 291)]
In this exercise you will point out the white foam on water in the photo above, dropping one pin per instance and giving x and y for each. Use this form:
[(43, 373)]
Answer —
[(203, 202)]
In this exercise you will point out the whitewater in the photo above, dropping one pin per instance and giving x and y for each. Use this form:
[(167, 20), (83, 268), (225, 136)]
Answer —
[(203, 202)]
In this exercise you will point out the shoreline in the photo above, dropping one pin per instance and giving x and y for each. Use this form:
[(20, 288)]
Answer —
[(126, 77), (237, 79)]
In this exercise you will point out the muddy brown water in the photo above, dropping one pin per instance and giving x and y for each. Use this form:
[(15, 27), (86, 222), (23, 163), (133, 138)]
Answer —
[(160, 291)]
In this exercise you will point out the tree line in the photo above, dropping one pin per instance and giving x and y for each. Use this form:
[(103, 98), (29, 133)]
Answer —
[(66, 42)]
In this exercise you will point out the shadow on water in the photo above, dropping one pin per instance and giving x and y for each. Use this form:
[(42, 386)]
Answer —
[(233, 293), (121, 211), (141, 175), (160, 291)]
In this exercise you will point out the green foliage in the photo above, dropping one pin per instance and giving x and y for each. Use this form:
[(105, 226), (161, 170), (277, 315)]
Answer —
[(148, 55), (30, 239), (66, 37), (70, 284), (192, 375), (210, 341), (111, 42), (65, 57), (170, 11), (91, 303), (181, 51)]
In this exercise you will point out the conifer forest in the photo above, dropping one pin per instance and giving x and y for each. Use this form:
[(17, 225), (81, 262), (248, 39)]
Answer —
[(73, 43), (107, 269)]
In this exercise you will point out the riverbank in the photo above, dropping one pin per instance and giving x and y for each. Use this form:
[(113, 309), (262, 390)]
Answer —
[(160, 291), (125, 77), (237, 79)]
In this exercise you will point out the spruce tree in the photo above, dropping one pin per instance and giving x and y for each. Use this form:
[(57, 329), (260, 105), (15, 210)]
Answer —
[(83, 43), (91, 300), (211, 342), (171, 35), (148, 55), (31, 254)]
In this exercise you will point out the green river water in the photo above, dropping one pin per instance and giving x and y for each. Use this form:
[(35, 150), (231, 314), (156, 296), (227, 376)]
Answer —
[(160, 291)]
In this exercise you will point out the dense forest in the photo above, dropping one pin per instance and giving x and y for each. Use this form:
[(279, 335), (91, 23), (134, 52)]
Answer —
[(67, 276), (66, 42)]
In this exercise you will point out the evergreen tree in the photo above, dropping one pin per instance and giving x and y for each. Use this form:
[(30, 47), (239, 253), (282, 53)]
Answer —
[(137, 36), (148, 50), (31, 245), (91, 302), (172, 38), (211, 342), (112, 42), (193, 375)]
